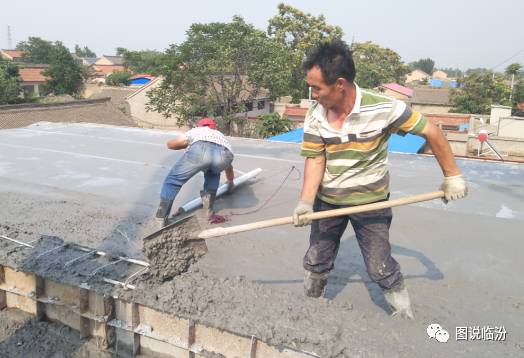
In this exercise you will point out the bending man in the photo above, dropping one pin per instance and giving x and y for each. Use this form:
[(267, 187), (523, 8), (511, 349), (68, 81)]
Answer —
[(208, 151)]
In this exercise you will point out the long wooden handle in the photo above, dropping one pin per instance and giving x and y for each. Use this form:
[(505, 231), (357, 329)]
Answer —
[(221, 231)]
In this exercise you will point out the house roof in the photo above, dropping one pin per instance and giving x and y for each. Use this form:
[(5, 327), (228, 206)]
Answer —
[(425, 95), (399, 89), (12, 54), (448, 119), (116, 60), (109, 69), (295, 111), (29, 74)]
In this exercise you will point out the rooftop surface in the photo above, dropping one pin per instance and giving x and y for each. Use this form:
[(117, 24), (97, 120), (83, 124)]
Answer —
[(98, 186)]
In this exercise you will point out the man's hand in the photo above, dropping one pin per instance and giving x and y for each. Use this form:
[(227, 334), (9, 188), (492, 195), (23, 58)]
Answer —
[(230, 186), (302, 208), (454, 188)]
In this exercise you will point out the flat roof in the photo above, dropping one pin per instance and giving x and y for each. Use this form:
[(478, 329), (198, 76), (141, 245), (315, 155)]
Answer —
[(98, 185)]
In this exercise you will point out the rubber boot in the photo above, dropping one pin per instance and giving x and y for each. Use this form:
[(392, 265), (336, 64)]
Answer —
[(162, 214), (208, 202), (399, 302), (315, 283)]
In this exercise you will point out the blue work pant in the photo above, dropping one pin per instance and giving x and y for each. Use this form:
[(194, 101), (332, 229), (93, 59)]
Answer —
[(208, 157), (372, 232)]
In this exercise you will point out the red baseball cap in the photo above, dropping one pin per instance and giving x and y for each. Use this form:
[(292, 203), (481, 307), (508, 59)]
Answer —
[(207, 122)]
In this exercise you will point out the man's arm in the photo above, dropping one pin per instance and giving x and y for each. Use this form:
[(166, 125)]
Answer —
[(313, 172), (230, 176), (178, 143), (454, 186), (441, 148)]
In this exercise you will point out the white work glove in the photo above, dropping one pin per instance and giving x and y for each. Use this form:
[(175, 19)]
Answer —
[(454, 188), (303, 207)]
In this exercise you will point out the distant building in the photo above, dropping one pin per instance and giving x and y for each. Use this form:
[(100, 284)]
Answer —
[(396, 91), (107, 65), (416, 75), (430, 100), (32, 78), (12, 55), (439, 75)]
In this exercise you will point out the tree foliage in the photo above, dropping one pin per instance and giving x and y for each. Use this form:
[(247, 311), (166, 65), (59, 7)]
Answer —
[(513, 69), (119, 79), (299, 32), (376, 65), (477, 92), (271, 124), (146, 61), (218, 71), (518, 97), (425, 64), (84, 52), (65, 74), (36, 50), (10, 89)]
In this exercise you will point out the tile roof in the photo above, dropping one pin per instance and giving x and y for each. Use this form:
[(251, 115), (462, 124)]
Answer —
[(13, 54), (295, 111), (116, 60), (99, 111), (398, 88), (32, 74), (448, 119), (425, 95), (109, 69)]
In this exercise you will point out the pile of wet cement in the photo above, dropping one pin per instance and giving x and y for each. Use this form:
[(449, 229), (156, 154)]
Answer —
[(174, 251)]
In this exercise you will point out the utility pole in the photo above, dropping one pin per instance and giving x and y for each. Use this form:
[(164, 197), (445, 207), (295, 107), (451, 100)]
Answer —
[(9, 40)]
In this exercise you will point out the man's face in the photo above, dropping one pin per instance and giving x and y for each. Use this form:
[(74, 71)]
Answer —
[(326, 95)]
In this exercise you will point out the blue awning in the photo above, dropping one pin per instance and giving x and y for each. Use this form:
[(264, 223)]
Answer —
[(407, 144)]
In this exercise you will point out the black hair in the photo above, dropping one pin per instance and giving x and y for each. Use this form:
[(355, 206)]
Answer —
[(334, 60)]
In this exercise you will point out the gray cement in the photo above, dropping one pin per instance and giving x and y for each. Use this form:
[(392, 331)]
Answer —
[(98, 186)]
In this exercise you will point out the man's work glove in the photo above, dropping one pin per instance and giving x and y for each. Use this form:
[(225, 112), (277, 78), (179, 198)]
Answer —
[(302, 208), (454, 188)]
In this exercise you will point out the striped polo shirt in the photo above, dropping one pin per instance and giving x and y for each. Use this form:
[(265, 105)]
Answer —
[(356, 156)]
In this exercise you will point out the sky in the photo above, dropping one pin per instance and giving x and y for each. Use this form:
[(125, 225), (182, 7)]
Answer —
[(454, 33)]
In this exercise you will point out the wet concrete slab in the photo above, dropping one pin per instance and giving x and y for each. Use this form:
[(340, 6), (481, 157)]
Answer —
[(98, 186)]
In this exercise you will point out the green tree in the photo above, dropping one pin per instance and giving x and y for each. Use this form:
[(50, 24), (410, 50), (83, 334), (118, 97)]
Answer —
[(299, 32), (271, 124), (425, 64), (84, 52), (10, 89), (512, 70), (36, 50), (119, 79), (376, 65), (477, 92), (65, 74), (145, 61), (518, 97), (218, 71)]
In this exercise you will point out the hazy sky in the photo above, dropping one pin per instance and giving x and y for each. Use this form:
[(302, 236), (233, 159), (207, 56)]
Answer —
[(454, 33)]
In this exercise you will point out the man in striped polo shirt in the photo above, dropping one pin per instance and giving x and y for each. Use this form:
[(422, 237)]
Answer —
[(345, 143)]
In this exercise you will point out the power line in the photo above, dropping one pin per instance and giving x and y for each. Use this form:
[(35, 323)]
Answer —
[(509, 58)]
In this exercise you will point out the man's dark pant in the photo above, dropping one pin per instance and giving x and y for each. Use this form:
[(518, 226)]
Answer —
[(372, 232)]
